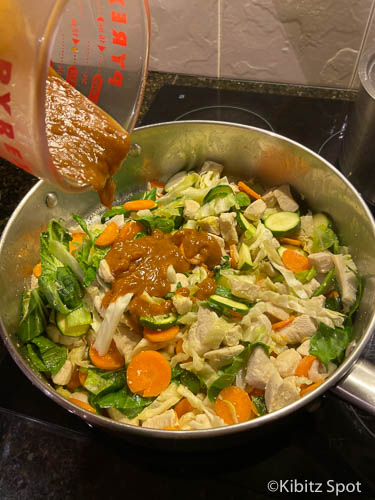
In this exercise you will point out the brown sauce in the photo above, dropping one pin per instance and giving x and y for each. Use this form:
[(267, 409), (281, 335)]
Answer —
[(206, 288), (87, 145), (141, 265)]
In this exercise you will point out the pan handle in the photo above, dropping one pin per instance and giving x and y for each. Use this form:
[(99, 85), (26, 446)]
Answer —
[(358, 386)]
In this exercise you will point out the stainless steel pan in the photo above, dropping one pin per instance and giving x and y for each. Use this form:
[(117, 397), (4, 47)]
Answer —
[(157, 152)]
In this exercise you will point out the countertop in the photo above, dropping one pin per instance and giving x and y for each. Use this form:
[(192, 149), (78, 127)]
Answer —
[(49, 461)]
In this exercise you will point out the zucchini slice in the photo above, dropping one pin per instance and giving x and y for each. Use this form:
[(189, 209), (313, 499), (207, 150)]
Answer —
[(217, 192), (74, 324), (283, 223), (160, 322), (229, 304), (320, 220), (244, 258), (299, 250), (244, 224)]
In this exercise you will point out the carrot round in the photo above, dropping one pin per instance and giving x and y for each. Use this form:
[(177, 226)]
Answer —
[(246, 189), (257, 392), (139, 205), (82, 404), (291, 241), (294, 261), (179, 348), (281, 324), (157, 184), (233, 257), (182, 407), (76, 240), (74, 381), (37, 270), (310, 388), (148, 374), (108, 236), (129, 230), (82, 377), (333, 294), (163, 336), (233, 397), (110, 361), (304, 366)]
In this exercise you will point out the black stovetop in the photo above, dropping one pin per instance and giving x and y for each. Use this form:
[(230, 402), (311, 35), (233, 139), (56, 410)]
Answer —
[(46, 452)]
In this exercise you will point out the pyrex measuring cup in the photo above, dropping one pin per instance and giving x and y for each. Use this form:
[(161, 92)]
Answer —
[(99, 46)]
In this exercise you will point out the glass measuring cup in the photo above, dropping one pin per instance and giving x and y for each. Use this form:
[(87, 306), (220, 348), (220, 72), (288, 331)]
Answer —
[(99, 46)]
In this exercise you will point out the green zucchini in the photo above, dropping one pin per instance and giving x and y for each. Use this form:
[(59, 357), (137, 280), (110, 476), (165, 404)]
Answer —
[(299, 250), (217, 192), (74, 324), (160, 322), (320, 220), (244, 224), (244, 258), (283, 223), (229, 304)]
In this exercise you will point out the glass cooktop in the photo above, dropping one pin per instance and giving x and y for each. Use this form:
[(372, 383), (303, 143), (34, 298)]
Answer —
[(330, 440)]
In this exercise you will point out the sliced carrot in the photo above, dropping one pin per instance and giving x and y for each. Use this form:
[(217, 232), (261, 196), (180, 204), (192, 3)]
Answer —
[(179, 348), (82, 404), (139, 205), (291, 241), (171, 428), (182, 407), (256, 392), (129, 230), (77, 239), (108, 236), (157, 184), (281, 324), (82, 377), (333, 294), (37, 270), (294, 261), (233, 256), (110, 361), (246, 189), (304, 366), (163, 336), (74, 381), (148, 373), (310, 388), (230, 398)]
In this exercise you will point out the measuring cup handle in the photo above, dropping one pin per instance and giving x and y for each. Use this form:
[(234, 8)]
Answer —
[(358, 386)]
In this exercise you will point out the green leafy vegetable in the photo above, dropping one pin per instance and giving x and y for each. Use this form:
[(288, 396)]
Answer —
[(150, 195), (260, 405), (242, 199), (141, 234), (35, 360), (329, 344), (333, 303), (327, 284), (155, 222), (34, 315), (224, 265), (104, 381), (228, 375), (187, 378), (125, 401), (108, 214), (52, 355), (324, 238), (306, 276)]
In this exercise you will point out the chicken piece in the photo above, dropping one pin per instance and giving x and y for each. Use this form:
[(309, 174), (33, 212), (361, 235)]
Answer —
[(276, 312), (315, 373), (191, 208), (167, 419), (306, 232), (233, 336), (302, 327), (126, 340), (311, 287), (211, 165), (202, 337), (259, 369), (105, 271), (287, 362), (256, 210), (322, 261), (119, 220), (347, 282), (182, 304), (228, 227), (64, 375), (269, 199), (304, 348), (210, 224), (285, 199), (221, 357), (267, 268), (280, 393), (245, 290)]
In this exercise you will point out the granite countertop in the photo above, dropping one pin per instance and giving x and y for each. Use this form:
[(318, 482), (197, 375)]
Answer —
[(15, 183)]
